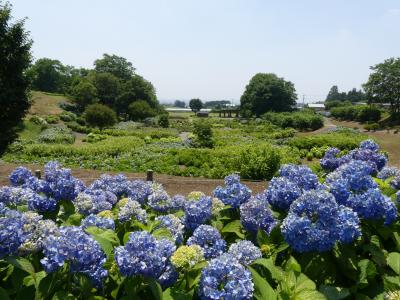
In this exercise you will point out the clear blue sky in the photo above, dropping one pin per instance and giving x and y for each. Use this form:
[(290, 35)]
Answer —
[(211, 48)]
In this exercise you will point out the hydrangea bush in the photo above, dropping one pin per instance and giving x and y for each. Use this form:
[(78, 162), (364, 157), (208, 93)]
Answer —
[(334, 235)]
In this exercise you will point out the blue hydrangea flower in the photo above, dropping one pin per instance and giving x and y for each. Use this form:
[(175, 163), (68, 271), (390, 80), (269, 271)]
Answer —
[(159, 200), (197, 212), (139, 190), (373, 205), (41, 203), (100, 222), (302, 176), (369, 145), (62, 184), (118, 184), (168, 277), (75, 246), (225, 278), (19, 176), (144, 255), (315, 222), (178, 202), (209, 239), (93, 201), (14, 196), (233, 193), (173, 224), (330, 161), (388, 172), (395, 183), (12, 233), (129, 209), (255, 214), (245, 252), (281, 192)]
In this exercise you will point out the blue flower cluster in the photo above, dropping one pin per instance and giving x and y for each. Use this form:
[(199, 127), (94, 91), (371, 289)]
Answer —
[(209, 239), (159, 200), (78, 248), (119, 185), (353, 187), (94, 201), (139, 190), (233, 193), (330, 161), (367, 152), (19, 176), (255, 214), (173, 224), (225, 278), (129, 209), (100, 222), (197, 212), (395, 183), (144, 255), (12, 233), (388, 172), (281, 192), (315, 222), (245, 252), (302, 176)]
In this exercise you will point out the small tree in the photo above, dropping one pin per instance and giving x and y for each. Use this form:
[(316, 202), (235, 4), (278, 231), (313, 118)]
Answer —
[(267, 92), (384, 85), (204, 135), (179, 103), (140, 110), (15, 58), (163, 121), (84, 93), (195, 105), (99, 115)]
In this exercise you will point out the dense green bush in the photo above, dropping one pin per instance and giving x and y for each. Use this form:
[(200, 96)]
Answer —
[(204, 135), (38, 120), (56, 135), (163, 120), (140, 110), (359, 113), (371, 126), (302, 120), (52, 119), (67, 116), (99, 115)]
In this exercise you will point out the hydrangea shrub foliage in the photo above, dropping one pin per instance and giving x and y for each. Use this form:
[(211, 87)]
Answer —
[(331, 235)]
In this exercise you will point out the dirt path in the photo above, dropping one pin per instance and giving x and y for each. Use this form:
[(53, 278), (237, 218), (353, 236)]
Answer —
[(173, 184)]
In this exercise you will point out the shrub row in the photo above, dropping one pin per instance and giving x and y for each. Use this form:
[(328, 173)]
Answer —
[(299, 120), (357, 113)]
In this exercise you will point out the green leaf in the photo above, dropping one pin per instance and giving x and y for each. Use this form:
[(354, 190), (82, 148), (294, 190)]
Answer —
[(162, 233), (367, 271), (334, 292), (21, 263), (73, 220), (47, 286), (276, 272), (292, 265), (63, 295), (234, 227), (3, 294), (393, 260), (310, 295), (175, 294), (107, 238), (262, 289), (155, 288)]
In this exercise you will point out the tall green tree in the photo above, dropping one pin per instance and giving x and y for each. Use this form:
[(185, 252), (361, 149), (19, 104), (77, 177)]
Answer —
[(84, 94), (49, 75), (15, 58), (268, 92), (195, 105), (107, 86), (118, 66), (383, 85)]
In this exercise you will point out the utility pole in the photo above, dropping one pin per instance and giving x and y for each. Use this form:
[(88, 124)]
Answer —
[(303, 99)]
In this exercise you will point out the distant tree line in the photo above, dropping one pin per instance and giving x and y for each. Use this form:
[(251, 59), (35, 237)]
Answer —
[(112, 82), (353, 95)]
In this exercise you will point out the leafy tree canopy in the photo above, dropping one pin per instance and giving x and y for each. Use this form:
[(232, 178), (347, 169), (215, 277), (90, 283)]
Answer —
[(268, 92), (116, 65), (84, 93), (353, 95), (179, 103), (99, 115), (383, 85), (140, 110), (15, 59), (195, 105)]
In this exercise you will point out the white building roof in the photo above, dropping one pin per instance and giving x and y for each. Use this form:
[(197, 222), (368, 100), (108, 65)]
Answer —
[(316, 105)]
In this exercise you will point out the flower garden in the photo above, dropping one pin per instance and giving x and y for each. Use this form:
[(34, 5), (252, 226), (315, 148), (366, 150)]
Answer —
[(334, 234)]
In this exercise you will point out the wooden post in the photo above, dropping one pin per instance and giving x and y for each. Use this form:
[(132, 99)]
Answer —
[(38, 174), (150, 175)]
